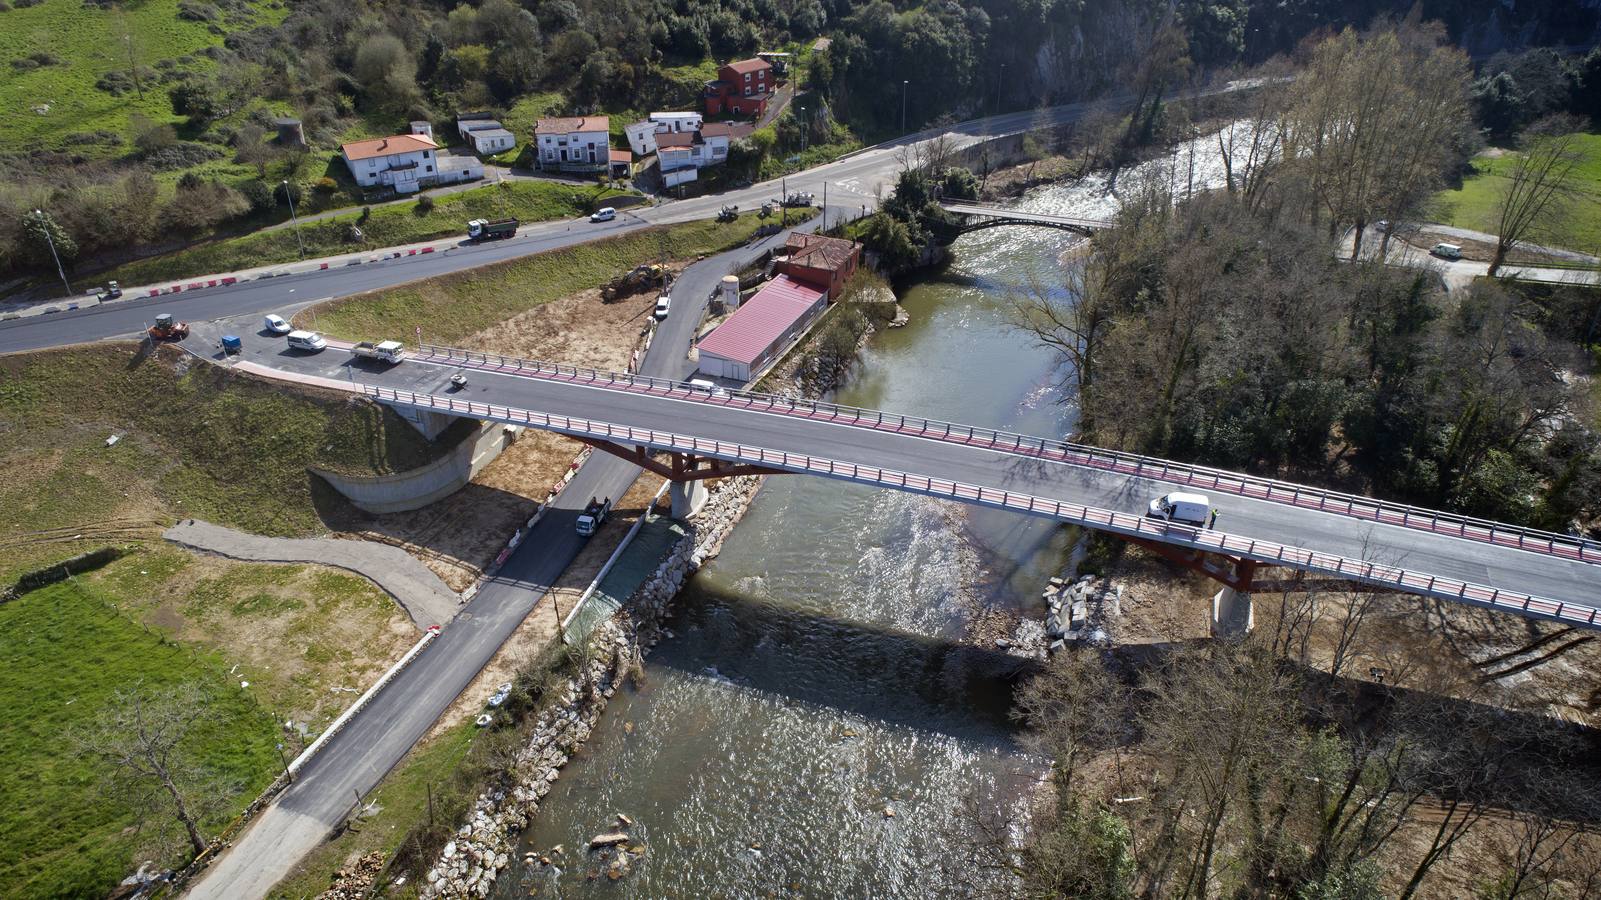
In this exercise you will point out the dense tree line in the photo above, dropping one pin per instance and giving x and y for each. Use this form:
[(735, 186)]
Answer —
[(1224, 329)]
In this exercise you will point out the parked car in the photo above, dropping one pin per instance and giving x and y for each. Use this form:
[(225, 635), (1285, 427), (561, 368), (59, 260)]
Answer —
[(1181, 508), (604, 214), (664, 304), (276, 324), (1447, 251), (306, 340)]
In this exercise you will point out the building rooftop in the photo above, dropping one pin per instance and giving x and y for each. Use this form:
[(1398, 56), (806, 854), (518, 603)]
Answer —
[(749, 65), (675, 139), (491, 132), (734, 130), (817, 251), (622, 156), (761, 320), (387, 146), (570, 124)]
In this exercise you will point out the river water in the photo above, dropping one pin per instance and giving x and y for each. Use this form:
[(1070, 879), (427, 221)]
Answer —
[(817, 680)]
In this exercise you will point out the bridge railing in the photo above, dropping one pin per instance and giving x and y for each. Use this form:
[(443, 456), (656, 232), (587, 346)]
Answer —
[(1093, 517), (1085, 455)]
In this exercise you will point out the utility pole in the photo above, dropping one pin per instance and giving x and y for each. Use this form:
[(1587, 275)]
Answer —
[(294, 218), (825, 206), (44, 225), (998, 86), (904, 83)]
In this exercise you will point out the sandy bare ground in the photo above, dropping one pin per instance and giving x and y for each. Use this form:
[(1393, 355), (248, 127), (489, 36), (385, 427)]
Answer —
[(539, 628)]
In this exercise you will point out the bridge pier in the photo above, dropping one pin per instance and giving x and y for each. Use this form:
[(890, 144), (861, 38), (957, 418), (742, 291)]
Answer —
[(688, 497)]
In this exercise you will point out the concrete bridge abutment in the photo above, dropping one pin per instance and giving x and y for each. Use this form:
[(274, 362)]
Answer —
[(1233, 616)]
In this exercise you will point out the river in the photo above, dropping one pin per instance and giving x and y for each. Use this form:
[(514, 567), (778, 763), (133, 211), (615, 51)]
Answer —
[(815, 726)]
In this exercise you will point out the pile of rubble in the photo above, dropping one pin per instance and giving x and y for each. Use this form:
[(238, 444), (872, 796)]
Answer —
[(1084, 611), (355, 883)]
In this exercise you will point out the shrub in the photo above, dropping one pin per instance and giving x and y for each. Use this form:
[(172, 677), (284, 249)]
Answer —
[(326, 185), (425, 205)]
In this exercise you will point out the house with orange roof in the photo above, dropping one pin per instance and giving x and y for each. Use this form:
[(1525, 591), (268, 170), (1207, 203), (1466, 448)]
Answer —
[(573, 143)]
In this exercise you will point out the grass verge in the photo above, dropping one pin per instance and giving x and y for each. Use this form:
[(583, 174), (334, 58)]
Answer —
[(1473, 205), (383, 226), (69, 648), (194, 440), (451, 307)]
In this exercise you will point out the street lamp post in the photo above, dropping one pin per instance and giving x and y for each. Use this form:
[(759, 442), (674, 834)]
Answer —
[(44, 225), (999, 85), (804, 129), (904, 83), (295, 219), (287, 774)]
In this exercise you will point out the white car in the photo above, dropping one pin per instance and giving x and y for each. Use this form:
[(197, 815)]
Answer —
[(664, 304), (604, 214), (276, 324)]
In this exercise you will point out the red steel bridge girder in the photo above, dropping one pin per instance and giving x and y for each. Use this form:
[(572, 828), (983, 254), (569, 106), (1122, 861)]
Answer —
[(1244, 570), (681, 466)]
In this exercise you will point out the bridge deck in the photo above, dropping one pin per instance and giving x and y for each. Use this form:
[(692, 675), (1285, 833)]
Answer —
[(1012, 215), (1437, 555)]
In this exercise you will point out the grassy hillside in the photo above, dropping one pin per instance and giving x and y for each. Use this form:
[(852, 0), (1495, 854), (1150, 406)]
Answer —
[(85, 42), (1473, 205), (196, 440), (454, 306), (387, 226), (68, 649)]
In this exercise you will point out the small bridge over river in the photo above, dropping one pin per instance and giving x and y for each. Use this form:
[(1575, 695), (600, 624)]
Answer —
[(979, 216)]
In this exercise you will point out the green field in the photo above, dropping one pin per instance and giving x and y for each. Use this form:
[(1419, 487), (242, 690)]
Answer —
[(67, 650), (196, 440), (88, 41), (1473, 205), (387, 226), (455, 306)]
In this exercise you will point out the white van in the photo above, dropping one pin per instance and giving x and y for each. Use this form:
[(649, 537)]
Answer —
[(604, 214), (306, 340), (1183, 509), (1447, 251), (701, 384)]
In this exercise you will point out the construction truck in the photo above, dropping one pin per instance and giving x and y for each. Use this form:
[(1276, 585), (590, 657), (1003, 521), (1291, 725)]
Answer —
[(799, 198), (640, 278), (728, 214), (593, 516), (491, 229), (166, 329), (383, 351)]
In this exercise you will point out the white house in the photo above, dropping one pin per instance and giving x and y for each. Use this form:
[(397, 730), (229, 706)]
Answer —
[(454, 169), (405, 162), (577, 143), (486, 135), (641, 137), (699, 149), (677, 122)]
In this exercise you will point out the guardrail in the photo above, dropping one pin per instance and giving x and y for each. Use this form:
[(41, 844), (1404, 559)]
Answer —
[(1255, 487), (1093, 517), (338, 724)]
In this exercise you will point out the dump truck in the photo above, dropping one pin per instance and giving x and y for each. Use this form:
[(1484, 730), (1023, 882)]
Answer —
[(167, 329), (383, 351), (593, 516), (491, 229)]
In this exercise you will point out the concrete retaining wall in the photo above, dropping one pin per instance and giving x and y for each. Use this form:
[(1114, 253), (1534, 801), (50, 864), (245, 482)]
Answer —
[(419, 487)]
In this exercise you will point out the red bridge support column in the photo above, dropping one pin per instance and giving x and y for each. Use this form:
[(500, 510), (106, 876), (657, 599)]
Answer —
[(1232, 613), (686, 471)]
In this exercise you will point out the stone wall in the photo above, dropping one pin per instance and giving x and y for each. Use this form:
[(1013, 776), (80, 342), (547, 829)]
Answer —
[(485, 844), (423, 485)]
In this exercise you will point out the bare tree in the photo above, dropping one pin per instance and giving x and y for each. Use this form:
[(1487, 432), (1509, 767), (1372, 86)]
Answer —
[(1538, 185), (143, 740)]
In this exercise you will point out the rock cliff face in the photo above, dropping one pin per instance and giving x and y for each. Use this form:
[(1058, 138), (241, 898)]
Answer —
[(485, 844)]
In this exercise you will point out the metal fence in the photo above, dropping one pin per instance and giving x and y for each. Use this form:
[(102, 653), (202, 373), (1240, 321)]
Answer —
[(1101, 519), (1134, 465)]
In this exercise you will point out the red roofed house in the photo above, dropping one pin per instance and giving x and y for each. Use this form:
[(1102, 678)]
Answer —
[(405, 162), (574, 143), (821, 260), (761, 329), (742, 88)]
